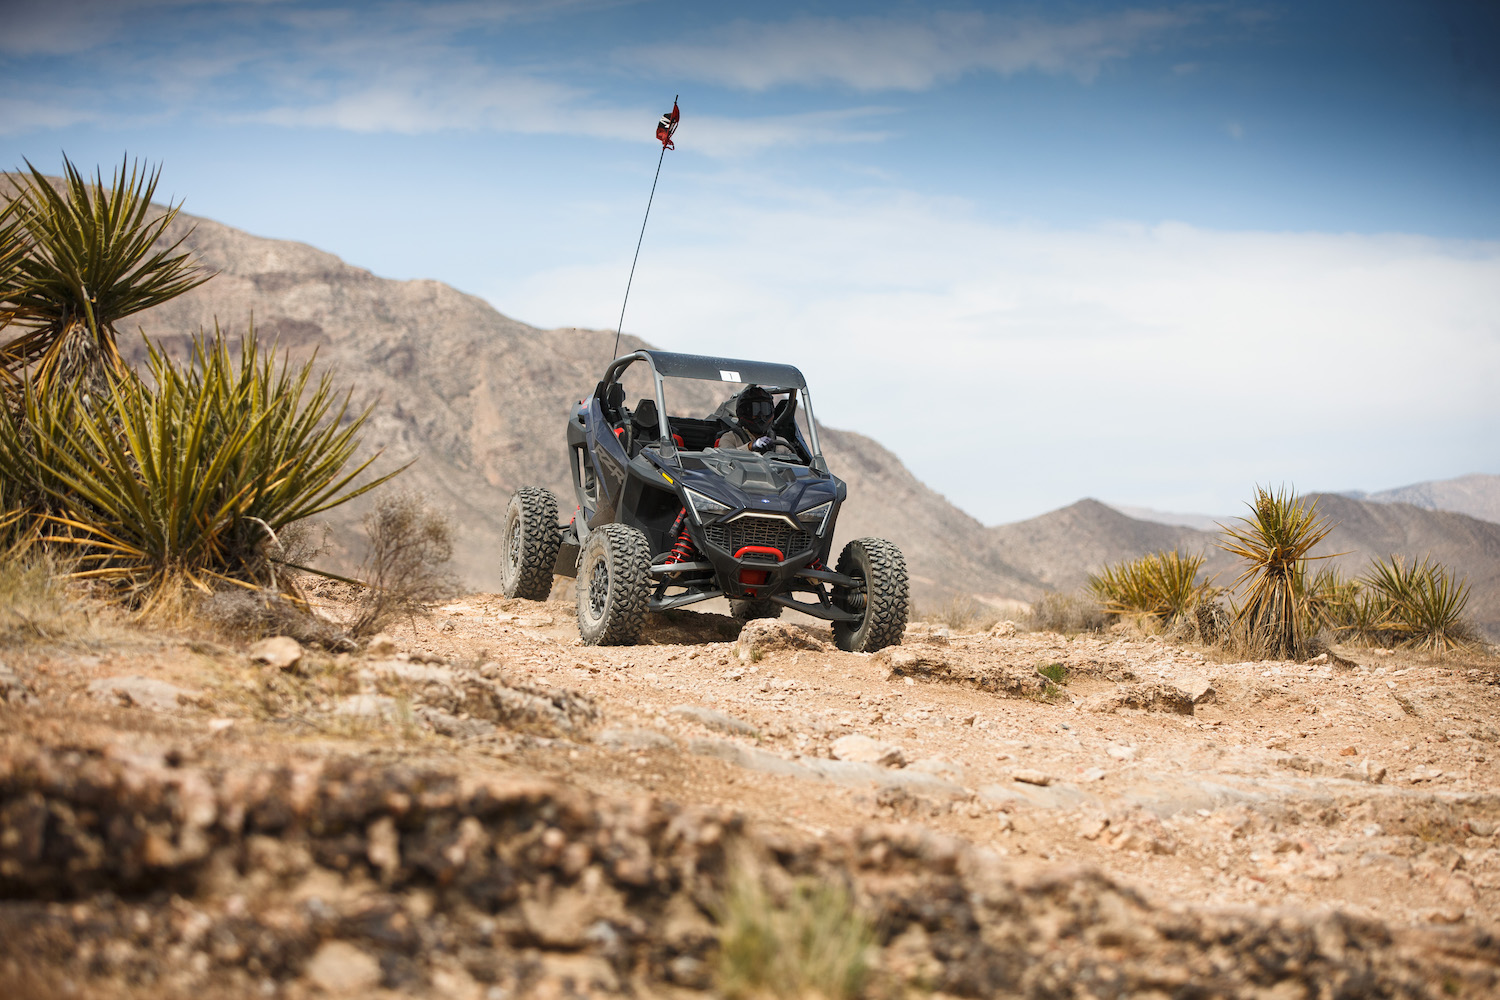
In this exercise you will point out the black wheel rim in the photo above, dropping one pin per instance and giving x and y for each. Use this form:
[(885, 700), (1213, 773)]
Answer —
[(515, 543), (599, 588)]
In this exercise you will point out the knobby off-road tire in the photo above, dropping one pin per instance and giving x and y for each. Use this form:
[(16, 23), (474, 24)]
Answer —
[(614, 585), (745, 611), (528, 544), (883, 602)]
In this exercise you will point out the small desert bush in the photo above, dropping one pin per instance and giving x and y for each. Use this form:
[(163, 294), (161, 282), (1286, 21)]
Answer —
[(1423, 604), (406, 570), (812, 943), (1274, 617), (247, 615), (962, 613), (183, 481), (1161, 587), (1066, 613)]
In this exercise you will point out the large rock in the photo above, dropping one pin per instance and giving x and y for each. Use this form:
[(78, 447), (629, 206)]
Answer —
[(773, 636), (861, 748), (279, 651), (143, 692)]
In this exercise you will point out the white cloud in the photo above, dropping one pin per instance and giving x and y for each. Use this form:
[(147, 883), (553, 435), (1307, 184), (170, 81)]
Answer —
[(902, 53), (20, 114), (1018, 368)]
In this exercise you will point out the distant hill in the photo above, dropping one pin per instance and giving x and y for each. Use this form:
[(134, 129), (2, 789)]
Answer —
[(1061, 548), (1477, 495)]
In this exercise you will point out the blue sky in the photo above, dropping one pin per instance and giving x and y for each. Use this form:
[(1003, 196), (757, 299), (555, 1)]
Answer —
[(1153, 253)]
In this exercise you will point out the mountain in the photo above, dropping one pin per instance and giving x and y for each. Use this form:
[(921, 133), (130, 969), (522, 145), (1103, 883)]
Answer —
[(477, 401), (1477, 495), (1203, 522), (1060, 549)]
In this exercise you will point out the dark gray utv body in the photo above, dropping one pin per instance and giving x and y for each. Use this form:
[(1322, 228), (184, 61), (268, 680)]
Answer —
[(665, 518)]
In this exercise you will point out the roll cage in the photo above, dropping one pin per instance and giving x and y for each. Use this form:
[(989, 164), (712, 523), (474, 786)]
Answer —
[(779, 380)]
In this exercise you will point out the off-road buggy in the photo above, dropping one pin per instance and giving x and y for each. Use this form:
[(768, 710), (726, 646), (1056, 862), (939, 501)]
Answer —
[(666, 517)]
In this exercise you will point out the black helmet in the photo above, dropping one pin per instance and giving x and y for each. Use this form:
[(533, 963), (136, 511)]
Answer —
[(754, 409)]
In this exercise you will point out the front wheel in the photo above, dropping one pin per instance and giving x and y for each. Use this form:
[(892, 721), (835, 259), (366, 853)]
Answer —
[(614, 585), (528, 544), (881, 602)]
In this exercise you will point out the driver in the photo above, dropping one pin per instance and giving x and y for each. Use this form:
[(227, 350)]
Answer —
[(753, 411)]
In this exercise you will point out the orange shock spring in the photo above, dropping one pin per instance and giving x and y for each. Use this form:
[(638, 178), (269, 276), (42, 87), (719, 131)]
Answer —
[(682, 550)]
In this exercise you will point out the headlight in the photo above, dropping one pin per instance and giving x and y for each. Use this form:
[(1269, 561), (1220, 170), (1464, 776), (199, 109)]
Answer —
[(703, 506), (816, 517)]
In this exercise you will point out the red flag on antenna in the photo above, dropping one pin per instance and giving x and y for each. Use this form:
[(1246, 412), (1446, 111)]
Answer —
[(667, 126)]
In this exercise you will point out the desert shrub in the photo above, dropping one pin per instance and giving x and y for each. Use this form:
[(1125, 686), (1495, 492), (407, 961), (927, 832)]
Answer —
[(405, 571), (814, 942), (1066, 613), (1423, 604), (77, 261), (1161, 586), (1275, 616), (183, 481), (255, 614), (962, 613)]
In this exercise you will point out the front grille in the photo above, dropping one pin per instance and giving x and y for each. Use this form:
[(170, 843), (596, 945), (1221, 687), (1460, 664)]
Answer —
[(767, 531)]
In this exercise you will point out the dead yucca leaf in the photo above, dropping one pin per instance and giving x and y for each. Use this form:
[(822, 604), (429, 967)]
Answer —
[(1275, 541)]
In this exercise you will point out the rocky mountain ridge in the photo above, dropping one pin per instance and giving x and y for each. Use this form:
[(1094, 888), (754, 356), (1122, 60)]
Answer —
[(476, 401)]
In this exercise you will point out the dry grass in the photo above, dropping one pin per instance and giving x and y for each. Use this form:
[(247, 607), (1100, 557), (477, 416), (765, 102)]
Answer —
[(962, 613), (812, 942), (35, 605), (1067, 614)]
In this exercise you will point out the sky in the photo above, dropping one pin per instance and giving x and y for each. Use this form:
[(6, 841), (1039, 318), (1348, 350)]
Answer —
[(1155, 254)]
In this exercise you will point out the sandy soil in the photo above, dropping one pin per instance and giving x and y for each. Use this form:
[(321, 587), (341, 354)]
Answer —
[(1366, 786)]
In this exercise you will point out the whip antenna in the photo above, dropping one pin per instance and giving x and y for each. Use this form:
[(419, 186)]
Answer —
[(664, 129)]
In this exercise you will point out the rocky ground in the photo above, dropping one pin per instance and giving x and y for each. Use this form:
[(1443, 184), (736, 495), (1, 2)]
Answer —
[(477, 806)]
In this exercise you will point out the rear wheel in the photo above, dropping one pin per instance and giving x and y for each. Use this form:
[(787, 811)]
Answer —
[(745, 611), (528, 544), (882, 601), (614, 585)]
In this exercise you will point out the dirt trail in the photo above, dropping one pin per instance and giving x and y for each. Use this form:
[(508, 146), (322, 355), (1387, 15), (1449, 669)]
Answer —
[(484, 807)]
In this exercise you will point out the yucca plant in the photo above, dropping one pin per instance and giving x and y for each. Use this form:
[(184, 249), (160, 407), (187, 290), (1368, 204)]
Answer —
[(1274, 541), (1161, 586), (1424, 604), (82, 259), (1331, 598), (185, 480)]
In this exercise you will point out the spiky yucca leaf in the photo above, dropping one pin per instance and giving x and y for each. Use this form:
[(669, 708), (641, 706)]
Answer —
[(1160, 586), (13, 247), (184, 483), (1274, 542), (88, 262), (1424, 603)]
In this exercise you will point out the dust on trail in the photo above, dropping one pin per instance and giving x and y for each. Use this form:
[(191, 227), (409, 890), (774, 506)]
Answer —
[(483, 807)]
